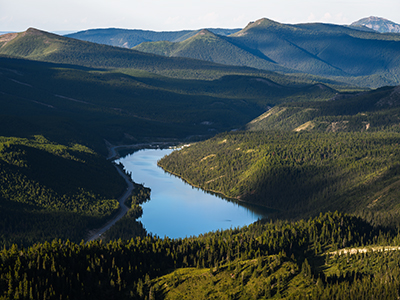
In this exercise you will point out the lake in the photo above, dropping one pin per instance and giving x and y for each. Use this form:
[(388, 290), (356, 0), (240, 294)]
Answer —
[(178, 210)]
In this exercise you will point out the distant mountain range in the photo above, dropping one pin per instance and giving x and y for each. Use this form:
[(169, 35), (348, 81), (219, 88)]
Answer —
[(378, 24), (354, 55), (44, 46), (128, 38), (318, 49)]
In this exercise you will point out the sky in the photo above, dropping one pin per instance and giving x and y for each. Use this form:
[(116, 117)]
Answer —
[(171, 15)]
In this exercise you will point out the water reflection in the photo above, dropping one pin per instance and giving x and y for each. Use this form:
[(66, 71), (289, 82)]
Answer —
[(177, 209)]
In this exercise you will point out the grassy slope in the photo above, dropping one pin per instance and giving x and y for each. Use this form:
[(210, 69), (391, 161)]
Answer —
[(280, 277), (110, 104), (374, 110)]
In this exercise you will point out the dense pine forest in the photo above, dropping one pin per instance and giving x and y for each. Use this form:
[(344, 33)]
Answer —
[(43, 196), (281, 259)]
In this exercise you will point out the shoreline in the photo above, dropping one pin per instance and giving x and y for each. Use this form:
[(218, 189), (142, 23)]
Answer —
[(97, 233), (216, 192), (113, 155)]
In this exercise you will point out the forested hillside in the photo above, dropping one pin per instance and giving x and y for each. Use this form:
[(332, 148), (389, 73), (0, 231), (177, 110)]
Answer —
[(306, 157), (208, 46), (367, 111), (90, 105), (49, 190), (299, 174), (277, 259)]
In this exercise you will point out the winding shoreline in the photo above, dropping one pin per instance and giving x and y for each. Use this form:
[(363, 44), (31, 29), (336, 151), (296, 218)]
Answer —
[(113, 154)]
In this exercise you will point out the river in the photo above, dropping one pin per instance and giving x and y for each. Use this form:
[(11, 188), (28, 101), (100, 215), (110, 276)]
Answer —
[(177, 209)]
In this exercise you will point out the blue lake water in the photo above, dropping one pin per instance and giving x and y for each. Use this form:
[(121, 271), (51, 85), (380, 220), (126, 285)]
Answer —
[(177, 209)]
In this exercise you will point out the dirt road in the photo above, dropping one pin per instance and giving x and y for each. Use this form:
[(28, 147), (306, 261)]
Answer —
[(95, 234)]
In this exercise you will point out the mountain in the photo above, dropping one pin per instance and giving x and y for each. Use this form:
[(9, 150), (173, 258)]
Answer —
[(348, 54), (40, 45), (378, 24), (129, 38), (208, 46)]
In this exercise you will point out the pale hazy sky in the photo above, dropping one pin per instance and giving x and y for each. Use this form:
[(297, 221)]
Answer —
[(74, 15)]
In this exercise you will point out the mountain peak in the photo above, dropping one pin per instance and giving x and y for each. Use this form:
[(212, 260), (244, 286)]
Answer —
[(378, 24), (204, 32), (34, 31), (261, 23)]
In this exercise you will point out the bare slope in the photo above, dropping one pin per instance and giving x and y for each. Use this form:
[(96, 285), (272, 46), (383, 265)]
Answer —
[(378, 24)]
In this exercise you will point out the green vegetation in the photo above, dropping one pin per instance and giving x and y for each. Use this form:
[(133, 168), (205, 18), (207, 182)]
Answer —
[(210, 47), (370, 58), (368, 111), (298, 173), (129, 38), (43, 46), (128, 227), (278, 259), (48, 190), (89, 105), (304, 156)]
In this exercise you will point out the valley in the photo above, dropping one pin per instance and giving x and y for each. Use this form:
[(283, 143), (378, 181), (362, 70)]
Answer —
[(272, 115)]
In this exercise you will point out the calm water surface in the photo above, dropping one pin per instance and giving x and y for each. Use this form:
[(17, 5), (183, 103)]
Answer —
[(176, 209)]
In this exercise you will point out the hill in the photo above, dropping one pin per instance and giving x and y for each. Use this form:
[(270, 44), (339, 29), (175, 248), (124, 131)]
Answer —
[(299, 174), (378, 24), (290, 260), (303, 158), (369, 59), (129, 38), (39, 45), (367, 111), (208, 46), (127, 106), (50, 190)]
